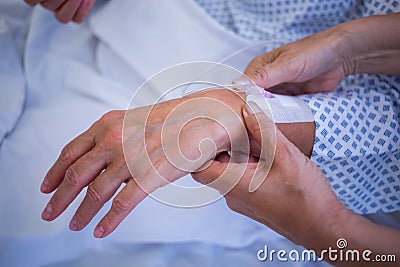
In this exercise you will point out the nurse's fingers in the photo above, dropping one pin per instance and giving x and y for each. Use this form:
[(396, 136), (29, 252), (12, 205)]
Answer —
[(122, 205), (69, 154), (77, 176), (213, 172), (52, 5), (83, 10), (67, 11), (98, 193), (33, 2)]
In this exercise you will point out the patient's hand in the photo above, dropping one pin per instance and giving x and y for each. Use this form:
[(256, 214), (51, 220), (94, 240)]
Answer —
[(95, 159), (66, 10)]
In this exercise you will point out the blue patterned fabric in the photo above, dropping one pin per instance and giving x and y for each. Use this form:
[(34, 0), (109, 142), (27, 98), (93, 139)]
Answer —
[(358, 125)]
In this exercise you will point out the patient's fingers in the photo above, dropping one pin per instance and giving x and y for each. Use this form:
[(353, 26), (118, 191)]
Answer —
[(98, 193), (122, 205), (77, 176), (83, 10), (52, 5), (67, 11), (70, 153), (33, 2)]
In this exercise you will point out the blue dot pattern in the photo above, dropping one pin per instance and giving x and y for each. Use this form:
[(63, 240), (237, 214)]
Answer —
[(358, 130)]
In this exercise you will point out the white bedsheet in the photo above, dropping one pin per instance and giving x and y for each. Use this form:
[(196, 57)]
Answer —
[(72, 75), (13, 24)]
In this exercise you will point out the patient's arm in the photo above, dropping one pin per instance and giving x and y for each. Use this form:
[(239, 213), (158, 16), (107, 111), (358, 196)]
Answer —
[(95, 159)]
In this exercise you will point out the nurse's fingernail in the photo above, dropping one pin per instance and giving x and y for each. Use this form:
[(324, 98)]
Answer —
[(241, 81), (99, 231), (74, 225), (245, 113), (45, 186), (253, 108), (47, 212)]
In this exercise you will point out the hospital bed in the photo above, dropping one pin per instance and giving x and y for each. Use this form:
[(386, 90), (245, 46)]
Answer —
[(56, 80)]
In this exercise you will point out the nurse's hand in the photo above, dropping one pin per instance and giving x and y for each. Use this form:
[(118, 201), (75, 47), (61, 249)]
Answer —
[(319, 62), (295, 199), (96, 159), (66, 10), (313, 64)]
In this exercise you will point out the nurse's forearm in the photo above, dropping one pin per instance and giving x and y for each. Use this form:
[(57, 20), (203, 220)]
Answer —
[(371, 45), (360, 235)]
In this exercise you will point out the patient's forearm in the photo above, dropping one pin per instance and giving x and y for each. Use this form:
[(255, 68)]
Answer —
[(301, 134), (371, 45)]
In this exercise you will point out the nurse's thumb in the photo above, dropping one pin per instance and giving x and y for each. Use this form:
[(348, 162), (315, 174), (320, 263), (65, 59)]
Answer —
[(263, 75), (257, 123)]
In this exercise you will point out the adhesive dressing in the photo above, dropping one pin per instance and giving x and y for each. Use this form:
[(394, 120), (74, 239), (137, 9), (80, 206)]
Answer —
[(279, 108)]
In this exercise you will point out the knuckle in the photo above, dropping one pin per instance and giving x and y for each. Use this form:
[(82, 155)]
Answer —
[(55, 202), (114, 136), (121, 204), (50, 174), (67, 154), (93, 194), (72, 176), (261, 73), (108, 222), (109, 116)]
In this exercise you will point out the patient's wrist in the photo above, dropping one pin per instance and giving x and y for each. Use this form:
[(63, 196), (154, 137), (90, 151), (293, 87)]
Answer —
[(235, 101), (301, 134)]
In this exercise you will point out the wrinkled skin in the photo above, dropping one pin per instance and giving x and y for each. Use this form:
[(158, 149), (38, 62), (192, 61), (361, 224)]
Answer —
[(310, 65), (294, 188), (95, 159)]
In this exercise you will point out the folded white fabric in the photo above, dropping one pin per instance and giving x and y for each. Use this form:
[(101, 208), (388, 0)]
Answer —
[(13, 27), (153, 35)]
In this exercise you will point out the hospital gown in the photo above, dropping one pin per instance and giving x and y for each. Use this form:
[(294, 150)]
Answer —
[(357, 135)]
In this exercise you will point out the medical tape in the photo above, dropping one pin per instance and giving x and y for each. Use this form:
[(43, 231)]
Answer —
[(279, 108)]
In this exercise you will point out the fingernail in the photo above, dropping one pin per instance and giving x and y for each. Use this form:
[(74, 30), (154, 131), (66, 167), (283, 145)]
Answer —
[(47, 212), (241, 80), (245, 112), (99, 231), (253, 108), (45, 186), (74, 225)]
